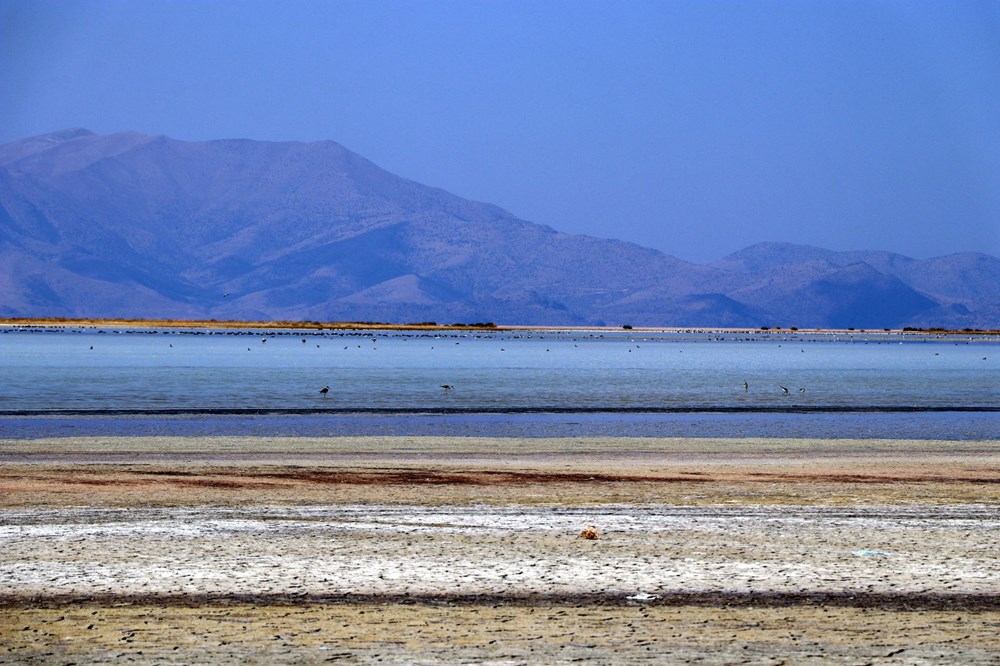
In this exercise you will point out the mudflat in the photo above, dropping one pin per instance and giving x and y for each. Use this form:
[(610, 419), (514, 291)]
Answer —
[(409, 550)]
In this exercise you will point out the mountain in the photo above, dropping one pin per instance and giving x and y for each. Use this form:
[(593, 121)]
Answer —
[(130, 225), (955, 291)]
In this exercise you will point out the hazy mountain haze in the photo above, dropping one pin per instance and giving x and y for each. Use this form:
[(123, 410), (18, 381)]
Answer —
[(695, 128), (132, 225)]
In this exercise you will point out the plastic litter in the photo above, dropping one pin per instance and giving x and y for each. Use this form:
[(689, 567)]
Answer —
[(870, 553)]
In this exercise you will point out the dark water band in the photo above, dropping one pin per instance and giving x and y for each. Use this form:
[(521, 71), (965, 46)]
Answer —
[(404, 411)]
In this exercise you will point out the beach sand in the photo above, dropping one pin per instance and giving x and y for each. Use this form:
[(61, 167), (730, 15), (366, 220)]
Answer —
[(461, 550)]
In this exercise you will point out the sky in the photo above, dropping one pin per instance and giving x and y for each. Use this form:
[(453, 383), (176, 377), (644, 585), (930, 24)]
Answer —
[(696, 127)]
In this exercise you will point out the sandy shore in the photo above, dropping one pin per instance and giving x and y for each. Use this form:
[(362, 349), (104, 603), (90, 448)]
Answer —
[(409, 550)]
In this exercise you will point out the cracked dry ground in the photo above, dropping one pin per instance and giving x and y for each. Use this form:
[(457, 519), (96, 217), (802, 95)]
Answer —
[(409, 550)]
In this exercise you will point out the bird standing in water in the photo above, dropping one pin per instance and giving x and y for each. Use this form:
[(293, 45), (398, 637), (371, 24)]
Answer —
[(324, 390)]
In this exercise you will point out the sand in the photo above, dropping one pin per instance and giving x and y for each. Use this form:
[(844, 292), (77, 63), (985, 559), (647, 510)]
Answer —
[(418, 550)]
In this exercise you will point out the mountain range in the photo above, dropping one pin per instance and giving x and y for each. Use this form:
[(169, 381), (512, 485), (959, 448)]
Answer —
[(137, 226)]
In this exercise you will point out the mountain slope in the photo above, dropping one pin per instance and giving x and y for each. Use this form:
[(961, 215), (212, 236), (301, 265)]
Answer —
[(954, 291), (129, 225)]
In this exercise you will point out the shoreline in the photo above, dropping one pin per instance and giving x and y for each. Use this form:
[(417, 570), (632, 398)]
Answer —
[(66, 323), (453, 471), (252, 470), (459, 446)]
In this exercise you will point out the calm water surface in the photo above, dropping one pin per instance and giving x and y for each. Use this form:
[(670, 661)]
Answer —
[(515, 383)]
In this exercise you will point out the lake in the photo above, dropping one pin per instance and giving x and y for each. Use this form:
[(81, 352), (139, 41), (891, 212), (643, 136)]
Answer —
[(58, 382)]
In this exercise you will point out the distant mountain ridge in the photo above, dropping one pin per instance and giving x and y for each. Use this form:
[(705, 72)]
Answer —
[(130, 225)]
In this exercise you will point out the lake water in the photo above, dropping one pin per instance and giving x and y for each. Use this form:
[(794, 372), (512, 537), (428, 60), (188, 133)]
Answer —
[(135, 381)]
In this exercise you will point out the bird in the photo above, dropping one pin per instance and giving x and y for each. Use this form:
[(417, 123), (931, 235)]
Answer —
[(802, 390), (324, 390), (447, 387), (746, 386), (783, 389)]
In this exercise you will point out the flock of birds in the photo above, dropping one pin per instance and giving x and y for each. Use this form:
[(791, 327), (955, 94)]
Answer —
[(447, 388), (326, 389), (451, 387)]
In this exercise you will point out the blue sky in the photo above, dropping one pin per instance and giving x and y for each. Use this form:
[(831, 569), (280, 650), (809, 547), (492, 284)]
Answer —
[(696, 127)]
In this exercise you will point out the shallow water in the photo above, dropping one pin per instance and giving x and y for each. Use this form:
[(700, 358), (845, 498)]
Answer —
[(121, 381), (977, 426)]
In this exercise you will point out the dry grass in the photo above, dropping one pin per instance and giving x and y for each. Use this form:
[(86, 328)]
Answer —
[(53, 322)]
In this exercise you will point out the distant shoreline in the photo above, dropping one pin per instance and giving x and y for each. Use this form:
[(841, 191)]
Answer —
[(61, 322)]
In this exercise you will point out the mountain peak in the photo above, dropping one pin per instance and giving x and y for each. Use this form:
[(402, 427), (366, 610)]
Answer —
[(767, 254), (65, 134), (131, 225), (66, 150), (15, 150)]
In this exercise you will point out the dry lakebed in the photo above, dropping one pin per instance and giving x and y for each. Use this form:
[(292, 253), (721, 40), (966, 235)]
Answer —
[(469, 550)]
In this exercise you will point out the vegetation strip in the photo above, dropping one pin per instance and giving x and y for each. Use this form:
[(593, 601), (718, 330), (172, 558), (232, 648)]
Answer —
[(65, 322)]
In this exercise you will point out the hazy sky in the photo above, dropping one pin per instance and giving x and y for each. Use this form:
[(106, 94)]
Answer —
[(696, 127)]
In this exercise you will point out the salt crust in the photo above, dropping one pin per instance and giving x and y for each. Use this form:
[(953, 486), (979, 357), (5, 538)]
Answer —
[(486, 549)]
